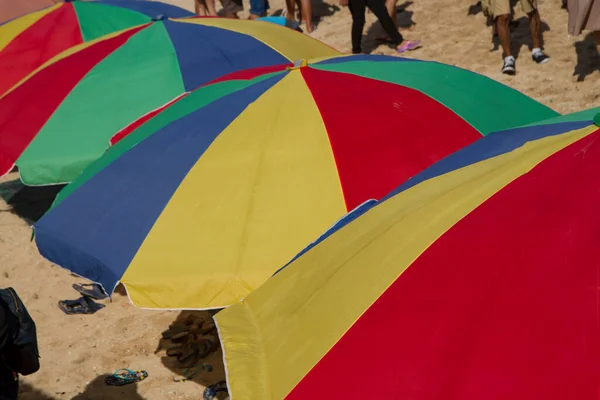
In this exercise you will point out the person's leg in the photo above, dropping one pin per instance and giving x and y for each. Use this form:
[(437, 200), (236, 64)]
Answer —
[(391, 7), (500, 11), (503, 28), (504, 33), (306, 11), (290, 6), (357, 9), (378, 8), (200, 8), (535, 29), (210, 8), (203, 12)]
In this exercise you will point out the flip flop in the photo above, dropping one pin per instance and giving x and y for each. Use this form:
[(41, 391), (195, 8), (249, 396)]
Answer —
[(125, 377), (409, 45), (95, 291), (82, 305)]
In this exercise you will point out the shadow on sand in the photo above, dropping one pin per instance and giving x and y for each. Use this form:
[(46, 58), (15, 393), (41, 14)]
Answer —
[(28, 202), (98, 390), (588, 60), (95, 390), (28, 392), (193, 331)]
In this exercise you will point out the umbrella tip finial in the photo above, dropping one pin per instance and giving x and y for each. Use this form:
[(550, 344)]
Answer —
[(597, 119), (298, 64), (159, 17)]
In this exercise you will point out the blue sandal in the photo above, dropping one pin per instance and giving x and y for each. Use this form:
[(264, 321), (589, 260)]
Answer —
[(125, 377)]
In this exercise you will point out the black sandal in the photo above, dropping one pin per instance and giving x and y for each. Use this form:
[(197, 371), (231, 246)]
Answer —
[(83, 305), (95, 291)]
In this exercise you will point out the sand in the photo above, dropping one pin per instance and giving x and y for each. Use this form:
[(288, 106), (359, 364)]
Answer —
[(78, 351)]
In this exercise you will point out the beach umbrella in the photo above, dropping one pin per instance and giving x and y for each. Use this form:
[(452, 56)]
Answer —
[(481, 283), (11, 9), (200, 204), (61, 118), (28, 42)]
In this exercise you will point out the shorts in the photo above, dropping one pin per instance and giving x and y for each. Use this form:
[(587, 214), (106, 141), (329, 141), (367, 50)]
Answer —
[(259, 7), (504, 7)]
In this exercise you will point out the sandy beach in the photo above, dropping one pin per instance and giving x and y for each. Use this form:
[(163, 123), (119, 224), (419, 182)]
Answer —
[(79, 351), (450, 35)]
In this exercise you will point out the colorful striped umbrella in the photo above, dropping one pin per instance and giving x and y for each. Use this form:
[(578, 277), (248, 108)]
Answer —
[(481, 283), (28, 42), (61, 118), (227, 184)]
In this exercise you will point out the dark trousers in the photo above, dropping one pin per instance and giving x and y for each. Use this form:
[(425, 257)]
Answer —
[(358, 9)]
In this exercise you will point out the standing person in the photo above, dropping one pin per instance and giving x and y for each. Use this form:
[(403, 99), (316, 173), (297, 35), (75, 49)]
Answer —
[(502, 12), (18, 344), (584, 15), (358, 9)]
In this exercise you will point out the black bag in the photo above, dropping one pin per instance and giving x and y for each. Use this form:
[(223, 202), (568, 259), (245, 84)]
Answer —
[(23, 356)]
